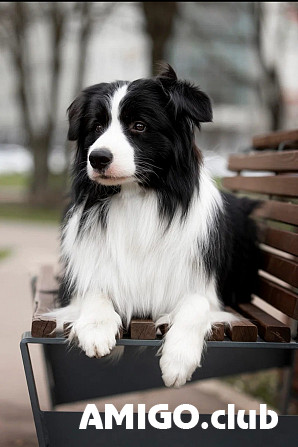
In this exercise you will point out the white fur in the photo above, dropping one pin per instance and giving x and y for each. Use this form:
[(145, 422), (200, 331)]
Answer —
[(135, 267), (114, 139)]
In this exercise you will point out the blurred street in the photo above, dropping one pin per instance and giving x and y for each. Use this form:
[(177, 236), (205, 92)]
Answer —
[(30, 246)]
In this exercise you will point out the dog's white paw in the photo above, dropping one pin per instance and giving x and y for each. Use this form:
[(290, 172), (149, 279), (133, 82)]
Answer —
[(181, 355), (176, 370), (95, 338)]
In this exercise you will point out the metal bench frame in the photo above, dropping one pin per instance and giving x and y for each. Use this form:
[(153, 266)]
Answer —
[(274, 351)]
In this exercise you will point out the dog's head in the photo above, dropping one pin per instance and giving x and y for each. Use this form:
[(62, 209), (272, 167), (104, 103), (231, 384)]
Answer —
[(140, 131)]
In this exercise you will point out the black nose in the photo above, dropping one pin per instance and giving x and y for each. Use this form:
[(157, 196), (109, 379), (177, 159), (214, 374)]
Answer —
[(100, 158)]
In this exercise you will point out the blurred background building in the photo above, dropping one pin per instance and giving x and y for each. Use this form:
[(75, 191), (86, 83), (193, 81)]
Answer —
[(244, 55)]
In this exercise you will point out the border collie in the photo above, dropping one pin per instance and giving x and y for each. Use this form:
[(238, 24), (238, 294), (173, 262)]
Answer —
[(148, 234)]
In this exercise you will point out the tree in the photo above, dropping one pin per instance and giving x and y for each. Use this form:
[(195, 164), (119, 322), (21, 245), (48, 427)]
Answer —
[(210, 28), (269, 82), (16, 24), (159, 18)]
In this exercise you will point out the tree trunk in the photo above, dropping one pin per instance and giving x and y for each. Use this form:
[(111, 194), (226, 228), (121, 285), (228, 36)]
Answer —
[(270, 83), (159, 17), (275, 101), (39, 191)]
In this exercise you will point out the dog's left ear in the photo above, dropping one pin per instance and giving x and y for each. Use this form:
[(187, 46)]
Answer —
[(185, 97), (75, 113)]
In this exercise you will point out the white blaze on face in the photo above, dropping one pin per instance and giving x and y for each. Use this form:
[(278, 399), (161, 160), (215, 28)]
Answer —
[(123, 166)]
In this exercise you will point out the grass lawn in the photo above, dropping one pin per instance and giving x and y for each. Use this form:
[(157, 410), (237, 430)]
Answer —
[(4, 253), (15, 180), (264, 385), (22, 180), (25, 212)]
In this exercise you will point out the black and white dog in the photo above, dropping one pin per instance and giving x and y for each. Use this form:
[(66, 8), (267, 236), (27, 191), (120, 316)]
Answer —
[(148, 233)]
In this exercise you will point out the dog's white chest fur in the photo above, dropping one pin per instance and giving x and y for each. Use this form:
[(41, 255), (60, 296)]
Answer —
[(143, 267)]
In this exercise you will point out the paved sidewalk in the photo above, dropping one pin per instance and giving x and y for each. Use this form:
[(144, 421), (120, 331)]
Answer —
[(33, 245)]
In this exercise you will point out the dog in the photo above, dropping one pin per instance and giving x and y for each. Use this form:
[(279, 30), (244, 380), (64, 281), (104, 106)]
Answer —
[(148, 234)]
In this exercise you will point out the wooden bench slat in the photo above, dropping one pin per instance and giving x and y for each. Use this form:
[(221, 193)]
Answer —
[(270, 329), (218, 331), (279, 211), (273, 139), (142, 329), (282, 268), (280, 298), (265, 161), (280, 239), (285, 185), (242, 330), (43, 326)]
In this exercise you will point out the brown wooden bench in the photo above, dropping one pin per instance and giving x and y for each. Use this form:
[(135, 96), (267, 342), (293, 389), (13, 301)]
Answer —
[(266, 336), (246, 330), (277, 220)]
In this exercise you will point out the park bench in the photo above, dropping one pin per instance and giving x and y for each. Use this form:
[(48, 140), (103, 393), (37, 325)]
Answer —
[(266, 337)]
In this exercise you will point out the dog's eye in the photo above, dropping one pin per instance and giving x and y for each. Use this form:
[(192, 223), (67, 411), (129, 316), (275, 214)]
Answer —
[(138, 126), (98, 128)]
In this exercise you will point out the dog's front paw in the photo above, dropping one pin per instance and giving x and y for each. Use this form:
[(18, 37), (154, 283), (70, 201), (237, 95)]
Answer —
[(95, 338), (176, 370), (180, 357)]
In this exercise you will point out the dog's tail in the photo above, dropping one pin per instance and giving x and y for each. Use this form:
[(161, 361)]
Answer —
[(249, 205), (242, 230)]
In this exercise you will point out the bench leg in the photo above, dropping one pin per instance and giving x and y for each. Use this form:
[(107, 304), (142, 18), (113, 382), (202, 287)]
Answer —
[(37, 413)]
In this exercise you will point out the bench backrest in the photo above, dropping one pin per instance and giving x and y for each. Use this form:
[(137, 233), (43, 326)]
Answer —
[(272, 175)]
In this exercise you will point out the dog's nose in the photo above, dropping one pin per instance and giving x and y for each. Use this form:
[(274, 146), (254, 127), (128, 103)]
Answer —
[(100, 158)]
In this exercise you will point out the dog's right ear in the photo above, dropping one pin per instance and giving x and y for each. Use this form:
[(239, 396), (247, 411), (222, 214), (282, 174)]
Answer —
[(187, 99), (75, 113)]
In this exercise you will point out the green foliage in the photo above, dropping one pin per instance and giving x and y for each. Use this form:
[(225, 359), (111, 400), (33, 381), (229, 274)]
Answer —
[(4, 253), (14, 180), (22, 211), (218, 182), (25, 212), (263, 385), (21, 181)]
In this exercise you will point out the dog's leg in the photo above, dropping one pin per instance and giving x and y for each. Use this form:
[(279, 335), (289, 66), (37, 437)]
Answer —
[(97, 326), (191, 322)]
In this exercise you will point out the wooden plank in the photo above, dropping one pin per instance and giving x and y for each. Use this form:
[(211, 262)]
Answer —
[(279, 211), (270, 329), (280, 239), (142, 329), (218, 332), (43, 326), (273, 139), (280, 298), (265, 161), (67, 329), (241, 330), (282, 268), (46, 281), (285, 185)]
